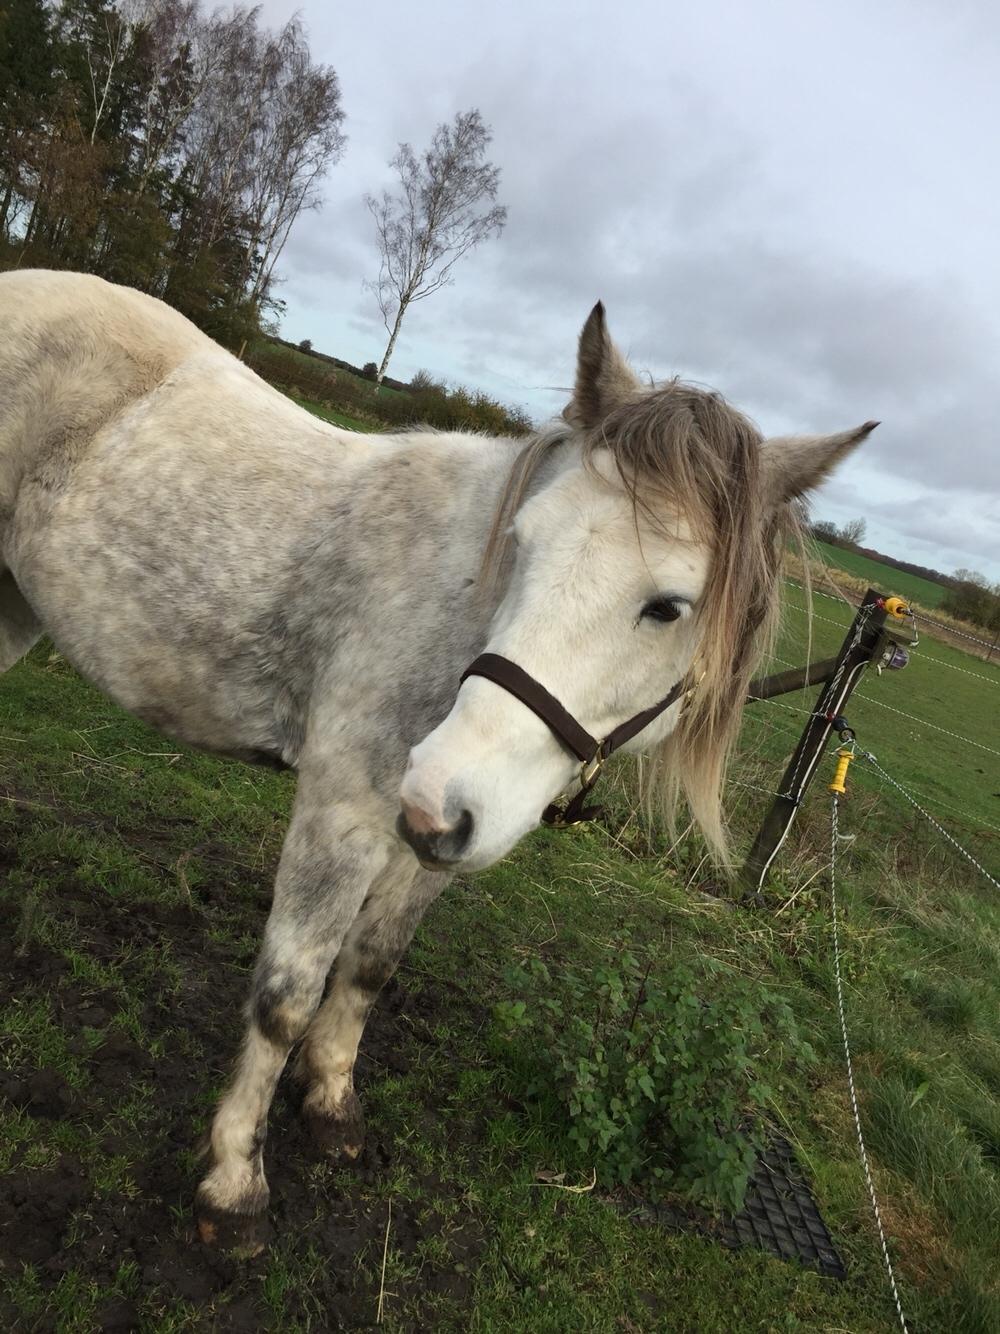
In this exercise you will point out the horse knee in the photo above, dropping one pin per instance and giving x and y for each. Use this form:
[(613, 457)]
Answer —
[(282, 1008)]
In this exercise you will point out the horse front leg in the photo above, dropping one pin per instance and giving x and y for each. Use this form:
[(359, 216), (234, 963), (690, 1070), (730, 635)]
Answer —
[(368, 958), (327, 865)]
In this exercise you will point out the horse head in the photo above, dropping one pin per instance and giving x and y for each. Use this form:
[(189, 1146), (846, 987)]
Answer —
[(637, 547)]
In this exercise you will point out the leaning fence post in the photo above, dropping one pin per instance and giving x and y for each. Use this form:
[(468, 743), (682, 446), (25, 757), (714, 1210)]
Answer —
[(865, 641)]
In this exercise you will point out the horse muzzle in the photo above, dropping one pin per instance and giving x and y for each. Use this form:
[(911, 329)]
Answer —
[(437, 848)]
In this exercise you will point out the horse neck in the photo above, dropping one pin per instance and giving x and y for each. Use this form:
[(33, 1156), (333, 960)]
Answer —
[(396, 549), (440, 493), (390, 602)]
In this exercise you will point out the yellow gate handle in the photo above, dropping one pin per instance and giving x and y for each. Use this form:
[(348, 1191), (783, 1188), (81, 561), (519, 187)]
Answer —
[(844, 758)]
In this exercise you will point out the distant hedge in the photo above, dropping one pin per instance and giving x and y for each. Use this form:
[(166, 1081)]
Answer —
[(424, 401), (975, 601)]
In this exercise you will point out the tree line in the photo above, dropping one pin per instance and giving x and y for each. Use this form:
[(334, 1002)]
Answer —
[(161, 147), (970, 596), (973, 598), (172, 149), (851, 535)]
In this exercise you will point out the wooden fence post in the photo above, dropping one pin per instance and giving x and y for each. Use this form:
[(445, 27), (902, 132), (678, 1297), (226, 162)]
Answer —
[(866, 640)]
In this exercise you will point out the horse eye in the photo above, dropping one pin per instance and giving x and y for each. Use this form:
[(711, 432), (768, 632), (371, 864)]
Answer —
[(662, 609)]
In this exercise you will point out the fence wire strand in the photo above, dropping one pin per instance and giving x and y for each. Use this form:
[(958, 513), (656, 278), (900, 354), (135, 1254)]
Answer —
[(949, 630), (917, 616), (968, 741), (940, 662), (870, 758), (778, 727), (834, 834)]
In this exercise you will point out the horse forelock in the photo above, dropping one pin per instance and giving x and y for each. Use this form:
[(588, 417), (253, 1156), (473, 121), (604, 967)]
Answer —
[(683, 452)]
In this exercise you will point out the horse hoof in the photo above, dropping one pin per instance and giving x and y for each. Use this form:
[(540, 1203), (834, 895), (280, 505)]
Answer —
[(340, 1135), (244, 1236)]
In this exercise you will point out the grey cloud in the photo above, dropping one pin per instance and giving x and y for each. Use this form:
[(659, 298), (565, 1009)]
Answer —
[(748, 224)]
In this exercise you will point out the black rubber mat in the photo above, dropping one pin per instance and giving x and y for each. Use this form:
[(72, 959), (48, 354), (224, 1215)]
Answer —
[(779, 1216)]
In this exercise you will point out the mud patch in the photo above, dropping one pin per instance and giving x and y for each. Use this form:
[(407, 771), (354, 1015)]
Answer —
[(101, 1165)]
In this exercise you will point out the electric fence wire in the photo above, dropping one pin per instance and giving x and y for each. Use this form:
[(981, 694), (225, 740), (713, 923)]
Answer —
[(917, 616), (777, 726), (950, 630), (870, 758), (841, 1011)]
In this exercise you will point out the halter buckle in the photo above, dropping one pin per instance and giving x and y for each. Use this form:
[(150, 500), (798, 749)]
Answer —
[(555, 814), (590, 770)]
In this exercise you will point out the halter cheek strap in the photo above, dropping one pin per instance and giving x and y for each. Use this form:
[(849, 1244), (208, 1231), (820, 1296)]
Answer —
[(588, 750)]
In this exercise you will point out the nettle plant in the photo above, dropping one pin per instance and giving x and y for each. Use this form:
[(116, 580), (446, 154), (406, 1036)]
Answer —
[(661, 1077)]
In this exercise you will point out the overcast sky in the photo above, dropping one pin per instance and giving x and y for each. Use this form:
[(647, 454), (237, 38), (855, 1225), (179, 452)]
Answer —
[(795, 202)]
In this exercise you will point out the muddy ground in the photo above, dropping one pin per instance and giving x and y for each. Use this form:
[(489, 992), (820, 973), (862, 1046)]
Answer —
[(65, 1219)]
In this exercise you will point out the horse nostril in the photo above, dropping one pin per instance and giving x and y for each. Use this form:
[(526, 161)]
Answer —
[(435, 847), (420, 821), (458, 838)]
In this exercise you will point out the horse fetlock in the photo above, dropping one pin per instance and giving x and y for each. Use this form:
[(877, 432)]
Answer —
[(337, 1128)]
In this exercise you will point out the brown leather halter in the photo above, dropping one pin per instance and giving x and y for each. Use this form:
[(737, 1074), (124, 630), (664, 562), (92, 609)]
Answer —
[(588, 750)]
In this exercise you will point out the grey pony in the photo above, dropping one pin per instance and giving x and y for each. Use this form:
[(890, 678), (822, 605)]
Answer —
[(233, 585), (261, 584)]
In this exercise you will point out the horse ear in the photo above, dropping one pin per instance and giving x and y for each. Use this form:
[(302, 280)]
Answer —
[(603, 378), (794, 464)]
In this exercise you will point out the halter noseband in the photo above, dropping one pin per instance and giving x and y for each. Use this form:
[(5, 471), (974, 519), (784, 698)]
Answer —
[(588, 750)]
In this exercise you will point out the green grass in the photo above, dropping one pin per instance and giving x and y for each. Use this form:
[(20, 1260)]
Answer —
[(98, 810), (882, 575), (332, 415)]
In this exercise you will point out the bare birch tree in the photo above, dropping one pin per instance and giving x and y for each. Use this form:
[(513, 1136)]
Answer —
[(179, 61), (299, 138), (445, 206), (104, 54)]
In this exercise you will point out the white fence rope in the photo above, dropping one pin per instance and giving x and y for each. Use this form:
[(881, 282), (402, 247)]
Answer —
[(950, 630), (867, 755), (917, 615), (850, 1066), (793, 708), (815, 616), (940, 662), (974, 822), (977, 822), (924, 723), (818, 592)]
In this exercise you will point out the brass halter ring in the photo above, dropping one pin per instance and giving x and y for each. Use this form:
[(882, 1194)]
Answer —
[(590, 770)]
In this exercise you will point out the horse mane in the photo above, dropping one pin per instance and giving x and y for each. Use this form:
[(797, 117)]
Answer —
[(683, 451)]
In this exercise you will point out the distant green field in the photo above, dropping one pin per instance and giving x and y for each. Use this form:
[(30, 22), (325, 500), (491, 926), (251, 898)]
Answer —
[(294, 354), (884, 577), (337, 418)]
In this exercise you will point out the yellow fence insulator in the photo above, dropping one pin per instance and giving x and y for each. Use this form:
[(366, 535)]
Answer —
[(844, 758)]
